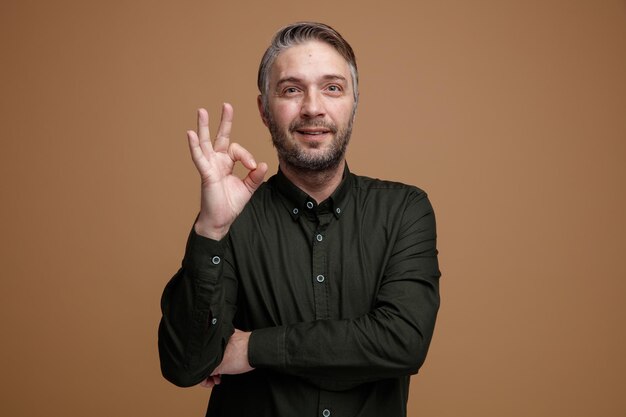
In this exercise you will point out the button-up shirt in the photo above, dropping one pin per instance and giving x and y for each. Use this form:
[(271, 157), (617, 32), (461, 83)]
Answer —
[(340, 297)]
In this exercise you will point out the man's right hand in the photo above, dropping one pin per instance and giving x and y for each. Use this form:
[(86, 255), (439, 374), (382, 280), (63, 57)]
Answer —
[(223, 195)]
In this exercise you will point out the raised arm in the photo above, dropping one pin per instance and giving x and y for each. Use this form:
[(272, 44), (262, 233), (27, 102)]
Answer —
[(198, 302)]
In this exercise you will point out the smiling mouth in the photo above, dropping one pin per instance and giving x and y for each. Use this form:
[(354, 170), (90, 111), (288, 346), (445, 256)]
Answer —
[(313, 128), (312, 132)]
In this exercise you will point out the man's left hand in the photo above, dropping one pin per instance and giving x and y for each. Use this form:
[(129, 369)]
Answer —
[(235, 360)]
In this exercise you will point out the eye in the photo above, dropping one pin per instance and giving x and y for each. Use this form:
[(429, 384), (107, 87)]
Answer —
[(334, 89), (290, 90)]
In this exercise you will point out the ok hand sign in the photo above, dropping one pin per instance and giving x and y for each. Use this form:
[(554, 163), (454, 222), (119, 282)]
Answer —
[(223, 195)]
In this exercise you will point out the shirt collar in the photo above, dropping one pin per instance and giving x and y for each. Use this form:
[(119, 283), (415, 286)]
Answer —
[(298, 202)]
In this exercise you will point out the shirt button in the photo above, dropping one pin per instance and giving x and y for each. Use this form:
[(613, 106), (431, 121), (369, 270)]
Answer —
[(319, 238), (320, 278), (214, 321), (295, 211), (338, 210), (309, 204), (216, 260), (326, 412)]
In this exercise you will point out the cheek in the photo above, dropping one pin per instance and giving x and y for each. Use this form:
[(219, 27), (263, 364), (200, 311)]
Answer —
[(285, 112), (342, 113)]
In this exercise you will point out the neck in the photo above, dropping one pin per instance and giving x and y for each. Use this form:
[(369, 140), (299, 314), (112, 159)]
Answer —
[(318, 184)]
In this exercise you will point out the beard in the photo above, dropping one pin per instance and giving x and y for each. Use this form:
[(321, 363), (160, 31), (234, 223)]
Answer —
[(297, 157)]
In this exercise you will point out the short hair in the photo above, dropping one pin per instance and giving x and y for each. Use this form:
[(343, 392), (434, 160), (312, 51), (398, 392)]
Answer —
[(299, 33)]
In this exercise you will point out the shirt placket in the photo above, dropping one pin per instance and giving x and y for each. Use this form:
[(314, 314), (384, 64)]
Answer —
[(319, 268), (321, 291)]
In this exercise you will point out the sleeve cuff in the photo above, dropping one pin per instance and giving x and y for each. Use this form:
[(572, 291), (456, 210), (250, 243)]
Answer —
[(266, 348), (203, 254)]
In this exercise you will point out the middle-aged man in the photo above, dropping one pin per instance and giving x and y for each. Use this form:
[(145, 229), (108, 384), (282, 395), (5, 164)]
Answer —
[(314, 293)]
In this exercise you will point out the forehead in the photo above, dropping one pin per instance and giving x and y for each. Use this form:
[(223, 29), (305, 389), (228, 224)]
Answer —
[(309, 61)]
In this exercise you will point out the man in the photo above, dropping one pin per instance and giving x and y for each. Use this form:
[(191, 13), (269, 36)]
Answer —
[(314, 293)]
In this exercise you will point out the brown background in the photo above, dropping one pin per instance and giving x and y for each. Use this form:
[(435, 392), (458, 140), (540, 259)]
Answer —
[(511, 114)]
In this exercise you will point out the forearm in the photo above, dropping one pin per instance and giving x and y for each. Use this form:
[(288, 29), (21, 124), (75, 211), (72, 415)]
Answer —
[(339, 354), (197, 319)]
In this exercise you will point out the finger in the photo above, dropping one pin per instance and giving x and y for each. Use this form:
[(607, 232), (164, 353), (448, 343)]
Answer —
[(197, 156), (217, 379), (255, 178), (208, 383), (223, 134), (239, 153), (203, 132)]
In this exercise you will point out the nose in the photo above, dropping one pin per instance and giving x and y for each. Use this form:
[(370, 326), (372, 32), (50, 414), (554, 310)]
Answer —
[(312, 105)]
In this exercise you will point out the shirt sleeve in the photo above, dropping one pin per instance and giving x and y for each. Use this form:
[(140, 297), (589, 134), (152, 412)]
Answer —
[(197, 311), (389, 341)]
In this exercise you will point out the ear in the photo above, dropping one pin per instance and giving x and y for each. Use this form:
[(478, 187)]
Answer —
[(259, 103)]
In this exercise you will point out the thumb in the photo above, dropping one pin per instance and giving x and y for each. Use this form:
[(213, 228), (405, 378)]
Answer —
[(255, 177)]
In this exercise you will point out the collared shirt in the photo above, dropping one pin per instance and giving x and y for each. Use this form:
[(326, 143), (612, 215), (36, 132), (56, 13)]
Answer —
[(341, 298)]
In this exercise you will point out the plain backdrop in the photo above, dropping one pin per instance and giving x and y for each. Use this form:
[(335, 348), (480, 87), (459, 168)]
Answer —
[(510, 114)]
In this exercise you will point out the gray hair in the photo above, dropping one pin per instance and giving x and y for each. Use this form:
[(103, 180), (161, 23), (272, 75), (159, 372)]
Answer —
[(299, 33)]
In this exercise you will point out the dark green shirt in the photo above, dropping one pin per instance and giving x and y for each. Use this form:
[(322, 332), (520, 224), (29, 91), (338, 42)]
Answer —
[(341, 299)]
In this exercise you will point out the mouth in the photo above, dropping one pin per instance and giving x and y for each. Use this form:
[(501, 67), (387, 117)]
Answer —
[(313, 132)]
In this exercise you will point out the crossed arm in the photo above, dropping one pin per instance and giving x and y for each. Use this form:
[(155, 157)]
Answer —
[(391, 340)]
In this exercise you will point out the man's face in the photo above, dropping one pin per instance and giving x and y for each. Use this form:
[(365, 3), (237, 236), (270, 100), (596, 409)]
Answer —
[(310, 106)]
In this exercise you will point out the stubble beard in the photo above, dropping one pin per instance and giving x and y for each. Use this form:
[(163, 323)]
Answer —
[(297, 157)]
